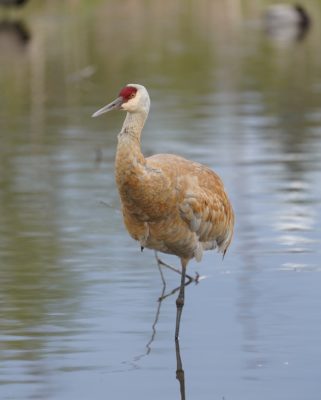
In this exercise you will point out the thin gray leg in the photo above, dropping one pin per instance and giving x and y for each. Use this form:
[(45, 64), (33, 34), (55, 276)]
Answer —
[(181, 298)]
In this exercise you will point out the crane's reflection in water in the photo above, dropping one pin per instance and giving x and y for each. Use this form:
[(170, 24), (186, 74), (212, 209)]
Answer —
[(180, 374)]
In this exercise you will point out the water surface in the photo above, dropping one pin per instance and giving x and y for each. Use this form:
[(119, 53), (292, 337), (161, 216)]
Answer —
[(78, 298)]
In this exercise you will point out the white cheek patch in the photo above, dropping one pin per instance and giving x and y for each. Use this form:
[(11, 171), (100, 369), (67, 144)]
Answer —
[(132, 104)]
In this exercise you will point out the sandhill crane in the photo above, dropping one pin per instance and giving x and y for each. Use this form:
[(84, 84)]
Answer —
[(169, 204)]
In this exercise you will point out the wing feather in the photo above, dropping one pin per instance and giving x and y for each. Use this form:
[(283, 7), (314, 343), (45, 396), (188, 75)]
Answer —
[(201, 201), (206, 210)]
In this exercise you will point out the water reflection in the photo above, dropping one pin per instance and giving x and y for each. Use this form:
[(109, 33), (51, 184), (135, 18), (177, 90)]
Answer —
[(249, 296), (180, 374), (152, 338), (161, 264)]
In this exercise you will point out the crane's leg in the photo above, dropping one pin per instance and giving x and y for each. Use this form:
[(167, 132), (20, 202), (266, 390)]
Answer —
[(181, 298), (161, 262)]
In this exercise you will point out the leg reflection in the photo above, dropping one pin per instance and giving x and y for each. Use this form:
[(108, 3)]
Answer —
[(152, 338), (180, 375), (148, 345)]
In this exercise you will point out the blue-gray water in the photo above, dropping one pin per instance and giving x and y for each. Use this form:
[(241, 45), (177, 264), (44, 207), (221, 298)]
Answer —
[(78, 298)]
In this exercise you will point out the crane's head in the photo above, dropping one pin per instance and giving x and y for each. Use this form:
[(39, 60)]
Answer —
[(133, 98)]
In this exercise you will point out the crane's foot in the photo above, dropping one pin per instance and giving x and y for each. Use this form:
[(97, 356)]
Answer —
[(163, 297)]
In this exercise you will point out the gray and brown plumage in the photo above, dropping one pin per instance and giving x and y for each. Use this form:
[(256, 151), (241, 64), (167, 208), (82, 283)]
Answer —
[(169, 204)]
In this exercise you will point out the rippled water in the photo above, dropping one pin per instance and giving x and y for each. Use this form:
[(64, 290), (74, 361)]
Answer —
[(79, 312)]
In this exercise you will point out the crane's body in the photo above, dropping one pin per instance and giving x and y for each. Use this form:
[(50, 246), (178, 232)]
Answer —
[(169, 204), (176, 206)]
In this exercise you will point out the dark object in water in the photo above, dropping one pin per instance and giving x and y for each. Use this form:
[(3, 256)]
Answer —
[(12, 3), (286, 21), (304, 19), (16, 30)]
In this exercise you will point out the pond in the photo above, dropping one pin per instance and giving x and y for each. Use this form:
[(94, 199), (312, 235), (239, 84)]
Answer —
[(80, 316)]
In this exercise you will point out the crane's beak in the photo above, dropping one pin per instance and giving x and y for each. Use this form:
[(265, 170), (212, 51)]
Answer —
[(114, 105)]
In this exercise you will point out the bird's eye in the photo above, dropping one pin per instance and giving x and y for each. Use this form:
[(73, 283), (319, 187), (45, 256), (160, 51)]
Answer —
[(132, 95)]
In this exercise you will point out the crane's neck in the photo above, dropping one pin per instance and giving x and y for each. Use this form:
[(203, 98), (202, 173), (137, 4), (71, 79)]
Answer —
[(129, 157), (133, 126)]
